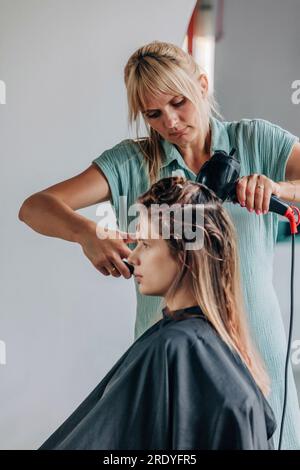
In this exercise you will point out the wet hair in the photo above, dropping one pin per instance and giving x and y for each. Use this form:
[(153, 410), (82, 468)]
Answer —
[(161, 67), (213, 269)]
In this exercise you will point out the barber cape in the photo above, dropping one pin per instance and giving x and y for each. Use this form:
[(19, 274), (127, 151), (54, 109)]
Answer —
[(178, 386)]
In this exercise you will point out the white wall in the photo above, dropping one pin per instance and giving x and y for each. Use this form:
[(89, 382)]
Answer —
[(258, 59), (61, 320)]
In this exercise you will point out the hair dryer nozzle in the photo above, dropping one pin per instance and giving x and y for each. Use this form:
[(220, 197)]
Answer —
[(220, 174)]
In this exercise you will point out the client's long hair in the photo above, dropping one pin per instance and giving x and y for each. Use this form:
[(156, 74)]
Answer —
[(213, 268)]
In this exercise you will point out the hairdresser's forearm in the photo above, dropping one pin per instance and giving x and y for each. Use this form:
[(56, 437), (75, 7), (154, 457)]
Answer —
[(48, 215), (290, 190)]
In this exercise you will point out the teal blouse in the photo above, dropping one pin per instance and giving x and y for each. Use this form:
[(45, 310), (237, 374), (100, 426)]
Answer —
[(261, 147)]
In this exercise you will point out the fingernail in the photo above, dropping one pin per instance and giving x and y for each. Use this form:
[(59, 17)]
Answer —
[(265, 211), (251, 210), (258, 212)]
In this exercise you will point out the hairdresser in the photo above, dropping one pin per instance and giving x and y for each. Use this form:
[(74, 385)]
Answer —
[(167, 89)]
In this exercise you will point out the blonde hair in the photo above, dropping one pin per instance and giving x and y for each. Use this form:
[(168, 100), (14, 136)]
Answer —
[(213, 269), (163, 67)]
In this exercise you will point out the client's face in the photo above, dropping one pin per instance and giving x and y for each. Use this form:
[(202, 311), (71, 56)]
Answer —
[(154, 267)]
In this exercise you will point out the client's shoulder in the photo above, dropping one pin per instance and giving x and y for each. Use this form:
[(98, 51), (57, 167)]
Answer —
[(196, 343), (195, 329), (191, 327)]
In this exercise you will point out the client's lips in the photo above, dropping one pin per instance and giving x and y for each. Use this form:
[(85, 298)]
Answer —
[(138, 279)]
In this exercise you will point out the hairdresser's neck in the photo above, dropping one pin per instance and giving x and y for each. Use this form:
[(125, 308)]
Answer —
[(196, 152)]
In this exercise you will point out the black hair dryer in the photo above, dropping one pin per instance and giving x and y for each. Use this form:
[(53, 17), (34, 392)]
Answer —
[(221, 174)]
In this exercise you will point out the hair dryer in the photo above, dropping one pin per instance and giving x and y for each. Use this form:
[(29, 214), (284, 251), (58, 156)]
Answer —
[(221, 174)]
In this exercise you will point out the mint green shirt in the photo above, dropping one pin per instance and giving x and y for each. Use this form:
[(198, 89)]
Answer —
[(263, 148)]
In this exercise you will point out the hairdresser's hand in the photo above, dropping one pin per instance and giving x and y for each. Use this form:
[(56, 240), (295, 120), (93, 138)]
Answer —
[(106, 249), (255, 191)]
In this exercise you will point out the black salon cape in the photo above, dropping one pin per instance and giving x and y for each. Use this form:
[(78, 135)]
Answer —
[(178, 386)]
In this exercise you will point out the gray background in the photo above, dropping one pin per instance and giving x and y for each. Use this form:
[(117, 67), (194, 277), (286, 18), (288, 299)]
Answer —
[(65, 324)]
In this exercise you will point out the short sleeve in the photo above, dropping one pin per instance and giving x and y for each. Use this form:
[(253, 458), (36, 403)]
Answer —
[(107, 163), (125, 172), (274, 145)]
